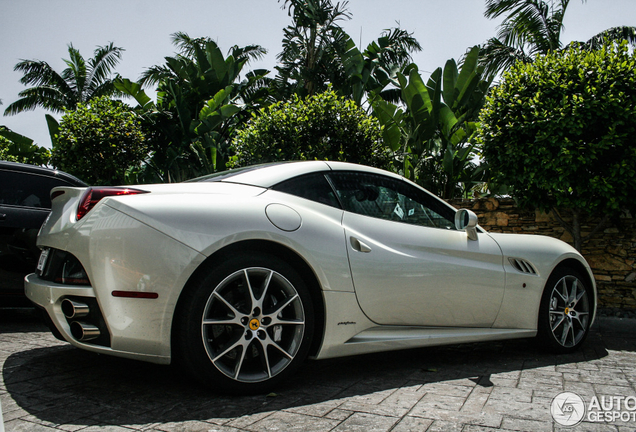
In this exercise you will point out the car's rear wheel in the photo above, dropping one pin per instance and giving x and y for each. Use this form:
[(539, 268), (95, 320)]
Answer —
[(565, 311), (246, 324)]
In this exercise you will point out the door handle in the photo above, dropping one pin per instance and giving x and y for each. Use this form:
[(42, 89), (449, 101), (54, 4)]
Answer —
[(358, 245)]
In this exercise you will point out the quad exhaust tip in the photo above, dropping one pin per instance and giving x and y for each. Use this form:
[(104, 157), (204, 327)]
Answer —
[(74, 309), (82, 331)]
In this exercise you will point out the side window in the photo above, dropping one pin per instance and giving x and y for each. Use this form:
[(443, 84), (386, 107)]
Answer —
[(27, 190), (313, 187), (391, 199)]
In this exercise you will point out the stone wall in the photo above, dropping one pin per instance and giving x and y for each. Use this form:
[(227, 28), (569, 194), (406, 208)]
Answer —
[(610, 253)]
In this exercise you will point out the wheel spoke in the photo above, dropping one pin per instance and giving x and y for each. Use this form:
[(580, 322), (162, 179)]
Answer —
[(266, 285), (235, 311), (253, 300), (578, 297), (216, 321), (266, 359), (269, 342), (560, 293), (237, 343), (561, 316), (566, 331), (573, 290), (284, 305), (278, 321), (239, 363), (279, 348), (579, 317), (572, 333), (564, 290)]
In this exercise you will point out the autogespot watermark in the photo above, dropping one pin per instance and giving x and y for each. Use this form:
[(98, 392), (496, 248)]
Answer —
[(569, 409)]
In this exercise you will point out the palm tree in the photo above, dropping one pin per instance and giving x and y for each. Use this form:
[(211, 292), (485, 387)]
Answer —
[(383, 59), (531, 28), (317, 53), (201, 99), (80, 82), (312, 46), (189, 50), (610, 35)]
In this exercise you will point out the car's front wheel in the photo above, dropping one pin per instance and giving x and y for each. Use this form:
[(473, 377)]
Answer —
[(246, 324), (565, 312)]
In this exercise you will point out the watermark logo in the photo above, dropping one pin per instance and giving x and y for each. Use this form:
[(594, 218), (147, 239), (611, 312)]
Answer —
[(567, 409)]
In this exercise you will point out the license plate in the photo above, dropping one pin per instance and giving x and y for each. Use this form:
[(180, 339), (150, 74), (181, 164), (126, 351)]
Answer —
[(42, 261)]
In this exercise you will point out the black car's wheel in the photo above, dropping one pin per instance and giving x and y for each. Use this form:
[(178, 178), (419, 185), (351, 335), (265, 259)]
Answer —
[(246, 324), (565, 311)]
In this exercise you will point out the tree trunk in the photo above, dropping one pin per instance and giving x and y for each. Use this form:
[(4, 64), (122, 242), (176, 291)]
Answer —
[(575, 228)]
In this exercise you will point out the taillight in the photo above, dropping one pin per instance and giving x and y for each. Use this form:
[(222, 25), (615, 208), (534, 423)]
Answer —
[(94, 194)]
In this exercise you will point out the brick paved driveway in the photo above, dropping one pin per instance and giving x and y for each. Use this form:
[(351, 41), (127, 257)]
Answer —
[(47, 385)]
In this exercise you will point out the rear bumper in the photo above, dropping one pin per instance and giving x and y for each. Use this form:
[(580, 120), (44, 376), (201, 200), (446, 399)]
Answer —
[(49, 296)]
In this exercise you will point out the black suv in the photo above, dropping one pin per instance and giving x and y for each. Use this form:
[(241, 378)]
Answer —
[(24, 205)]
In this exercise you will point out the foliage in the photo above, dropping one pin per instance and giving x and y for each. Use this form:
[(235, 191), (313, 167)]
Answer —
[(202, 98), (18, 148), (319, 127), (4, 150), (200, 101), (430, 134), (99, 142), (533, 27), (318, 53), (80, 82), (561, 133), (375, 71), (312, 46)]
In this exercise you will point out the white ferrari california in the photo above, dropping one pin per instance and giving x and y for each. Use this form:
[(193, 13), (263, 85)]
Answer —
[(241, 275)]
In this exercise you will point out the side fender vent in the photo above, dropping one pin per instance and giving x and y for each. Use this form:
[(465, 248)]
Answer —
[(522, 266)]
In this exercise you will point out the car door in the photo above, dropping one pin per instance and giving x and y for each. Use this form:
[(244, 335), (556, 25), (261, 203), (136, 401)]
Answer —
[(24, 205), (409, 264), (24, 198)]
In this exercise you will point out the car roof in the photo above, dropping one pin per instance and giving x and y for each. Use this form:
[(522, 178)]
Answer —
[(268, 175), (43, 171)]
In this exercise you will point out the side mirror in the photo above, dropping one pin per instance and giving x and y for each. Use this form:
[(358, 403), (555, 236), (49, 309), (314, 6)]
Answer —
[(466, 220)]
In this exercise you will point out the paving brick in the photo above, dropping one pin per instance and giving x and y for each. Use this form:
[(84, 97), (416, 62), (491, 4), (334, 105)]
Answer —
[(437, 401), (412, 424), (591, 427), (193, 426), (520, 424), (291, 422), (19, 425), (445, 426), (476, 400), (338, 414), (511, 394), (363, 422)]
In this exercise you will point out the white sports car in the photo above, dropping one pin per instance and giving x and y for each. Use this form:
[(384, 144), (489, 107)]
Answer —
[(240, 276)]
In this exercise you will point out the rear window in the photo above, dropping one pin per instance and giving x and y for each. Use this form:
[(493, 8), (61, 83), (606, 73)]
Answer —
[(224, 175)]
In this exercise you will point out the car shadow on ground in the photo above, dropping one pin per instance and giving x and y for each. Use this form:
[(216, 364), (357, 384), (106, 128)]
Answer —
[(64, 385)]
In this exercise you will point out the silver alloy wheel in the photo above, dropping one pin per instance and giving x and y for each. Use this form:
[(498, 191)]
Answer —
[(569, 311), (253, 324)]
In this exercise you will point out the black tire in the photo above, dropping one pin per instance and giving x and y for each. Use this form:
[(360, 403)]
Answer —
[(245, 325), (565, 312)]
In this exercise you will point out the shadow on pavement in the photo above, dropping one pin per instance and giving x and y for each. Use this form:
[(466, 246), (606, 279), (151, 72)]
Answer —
[(64, 385)]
